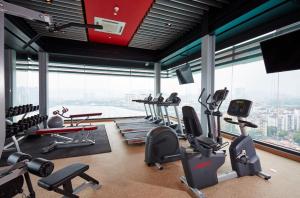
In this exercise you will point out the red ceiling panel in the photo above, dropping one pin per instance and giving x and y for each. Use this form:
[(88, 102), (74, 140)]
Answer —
[(131, 12)]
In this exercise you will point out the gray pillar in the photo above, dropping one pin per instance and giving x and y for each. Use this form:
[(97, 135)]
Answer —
[(10, 77), (2, 83), (157, 73), (43, 84), (207, 73)]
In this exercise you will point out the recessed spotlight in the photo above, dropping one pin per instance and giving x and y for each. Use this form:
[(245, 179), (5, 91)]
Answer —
[(49, 1), (116, 10)]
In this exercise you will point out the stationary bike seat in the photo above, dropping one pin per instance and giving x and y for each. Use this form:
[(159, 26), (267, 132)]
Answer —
[(208, 142)]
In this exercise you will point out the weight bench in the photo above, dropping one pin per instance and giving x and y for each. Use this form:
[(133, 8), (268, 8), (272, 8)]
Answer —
[(84, 136), (63, 178), (87, 116)]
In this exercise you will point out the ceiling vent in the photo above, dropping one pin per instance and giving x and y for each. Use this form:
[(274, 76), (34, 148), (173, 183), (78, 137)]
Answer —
[(110, 26)]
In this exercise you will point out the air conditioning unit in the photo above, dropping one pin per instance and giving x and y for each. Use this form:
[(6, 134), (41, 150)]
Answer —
[(110, 26)]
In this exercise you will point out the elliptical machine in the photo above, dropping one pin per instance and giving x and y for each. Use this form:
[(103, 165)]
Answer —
[(212, 111), (203, 159)]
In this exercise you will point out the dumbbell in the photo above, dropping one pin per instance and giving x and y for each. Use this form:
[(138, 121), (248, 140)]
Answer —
[(12, 130), (25, 122), (23, 109), (36, 119), (26, 108), (45, 117), (18, 157), (9, 112), (15, 111), (9, 131)]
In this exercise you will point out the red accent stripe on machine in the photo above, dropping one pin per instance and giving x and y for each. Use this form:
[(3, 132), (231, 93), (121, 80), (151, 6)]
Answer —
[(202, 165)]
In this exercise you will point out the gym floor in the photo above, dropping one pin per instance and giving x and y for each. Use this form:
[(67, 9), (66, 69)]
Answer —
[(123, 173)]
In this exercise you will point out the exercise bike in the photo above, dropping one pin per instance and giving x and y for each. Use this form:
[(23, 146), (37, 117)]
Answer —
[(162, 143), (202, 160)]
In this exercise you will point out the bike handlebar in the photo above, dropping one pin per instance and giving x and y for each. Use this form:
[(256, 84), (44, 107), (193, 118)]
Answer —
[(246, 123)]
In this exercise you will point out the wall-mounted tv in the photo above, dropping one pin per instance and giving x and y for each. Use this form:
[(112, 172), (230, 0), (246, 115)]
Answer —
[(282, 53), (184, 74)]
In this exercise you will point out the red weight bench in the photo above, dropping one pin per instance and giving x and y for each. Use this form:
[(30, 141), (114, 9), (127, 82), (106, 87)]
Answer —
[(86, 115), (84, 136)]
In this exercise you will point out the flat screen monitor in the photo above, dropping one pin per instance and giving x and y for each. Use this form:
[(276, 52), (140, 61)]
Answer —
[(184, 74), (282, 53)]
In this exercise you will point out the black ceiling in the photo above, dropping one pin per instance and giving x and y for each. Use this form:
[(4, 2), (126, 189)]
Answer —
[(19, 31)]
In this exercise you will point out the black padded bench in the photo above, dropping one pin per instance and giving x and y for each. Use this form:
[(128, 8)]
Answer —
[(63, 177)]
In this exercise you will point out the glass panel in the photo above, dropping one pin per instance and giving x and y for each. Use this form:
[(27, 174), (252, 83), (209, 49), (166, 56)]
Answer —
[(188, 93), (27, 88), (288, 123), (111, 95), (276, 101), (223, 78)]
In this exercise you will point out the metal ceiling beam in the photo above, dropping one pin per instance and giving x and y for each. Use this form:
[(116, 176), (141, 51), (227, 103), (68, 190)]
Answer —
[(210, 3), (51, 9), (215, 19), (176, 11), (160, 28), (155, 23), (170, 19), (167, 20), (153, 35), (192, 4), (157, 30), (85, 49), (175, 16), (179, 6)]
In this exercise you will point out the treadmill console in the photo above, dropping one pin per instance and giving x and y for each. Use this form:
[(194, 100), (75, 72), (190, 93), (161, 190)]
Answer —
[(239, 108), (172, 97), (159, 98), (149, 98)]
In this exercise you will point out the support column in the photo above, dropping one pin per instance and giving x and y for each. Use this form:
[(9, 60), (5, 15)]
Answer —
[(10, 77), (43, 84), (157, 73), (207, 74), (157, 84), (2, 82)]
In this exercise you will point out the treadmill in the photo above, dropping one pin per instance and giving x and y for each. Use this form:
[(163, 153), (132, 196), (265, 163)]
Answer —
[(144, 125), (138, 120), (139, 136), (174, 101)]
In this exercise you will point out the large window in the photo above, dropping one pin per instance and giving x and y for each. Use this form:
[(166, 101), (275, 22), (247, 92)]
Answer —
[(27, 88), (110, 95), (189, 93), (86, 93), (276, 101)]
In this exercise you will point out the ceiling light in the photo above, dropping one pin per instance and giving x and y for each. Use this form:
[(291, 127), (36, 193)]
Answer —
[(49, 1), (116, 10)]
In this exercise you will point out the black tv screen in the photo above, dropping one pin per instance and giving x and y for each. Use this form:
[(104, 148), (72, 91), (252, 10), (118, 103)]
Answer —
[(282, 53), (184, 74)]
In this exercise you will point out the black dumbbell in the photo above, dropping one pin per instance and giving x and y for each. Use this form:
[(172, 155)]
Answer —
[(9, 112), (45, 118), (9, 132)]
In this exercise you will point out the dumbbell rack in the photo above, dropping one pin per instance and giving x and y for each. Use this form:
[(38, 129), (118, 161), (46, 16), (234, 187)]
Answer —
[(23, 126)]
